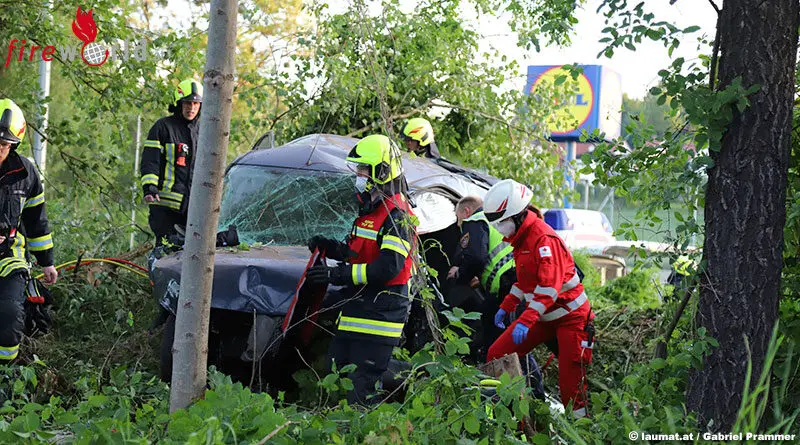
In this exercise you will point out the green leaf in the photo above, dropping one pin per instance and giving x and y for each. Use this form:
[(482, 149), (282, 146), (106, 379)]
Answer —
[(471, 424), (691, 29)]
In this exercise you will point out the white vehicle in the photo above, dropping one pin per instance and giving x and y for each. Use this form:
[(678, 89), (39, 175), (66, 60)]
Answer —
[(581, 228)]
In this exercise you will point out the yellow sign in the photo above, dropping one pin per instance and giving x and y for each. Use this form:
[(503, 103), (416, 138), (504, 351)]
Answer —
[(571, 115)]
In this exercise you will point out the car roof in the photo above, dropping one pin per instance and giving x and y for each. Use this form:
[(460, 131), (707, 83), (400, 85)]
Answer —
[(327, 153)]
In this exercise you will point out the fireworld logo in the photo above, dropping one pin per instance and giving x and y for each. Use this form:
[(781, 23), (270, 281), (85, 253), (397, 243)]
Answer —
[(92, 53)]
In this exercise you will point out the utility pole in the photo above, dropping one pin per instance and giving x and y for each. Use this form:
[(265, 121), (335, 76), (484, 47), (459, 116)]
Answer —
[(190, 348)]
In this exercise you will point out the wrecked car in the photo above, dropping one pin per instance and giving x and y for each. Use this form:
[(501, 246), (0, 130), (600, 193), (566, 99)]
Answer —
[(277, 198)]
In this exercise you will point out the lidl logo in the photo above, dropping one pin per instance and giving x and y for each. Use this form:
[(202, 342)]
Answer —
[(576, 111)]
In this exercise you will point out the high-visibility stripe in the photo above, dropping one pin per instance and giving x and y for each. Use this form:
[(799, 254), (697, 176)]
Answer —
[(150, 179), (169, 170), (371, 327), (170, 195), (35, 201), (41, 243), (571, 306), (517, 292), (549, 291), (150, 143), (497, 249), (538, 307), (9, 265), (579, 413), (18, 246), (366, 233), (571, 284), (9, 352), (396, 244), (359, 273), (166, 203)]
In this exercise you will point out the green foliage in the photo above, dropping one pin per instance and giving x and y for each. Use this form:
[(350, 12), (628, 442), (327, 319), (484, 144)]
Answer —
[(640, 289)]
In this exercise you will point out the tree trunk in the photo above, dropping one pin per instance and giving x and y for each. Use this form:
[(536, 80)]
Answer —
[(190, 349), (745, 204)]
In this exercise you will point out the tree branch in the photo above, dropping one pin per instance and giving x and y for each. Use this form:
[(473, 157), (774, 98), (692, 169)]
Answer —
[(714, 5)]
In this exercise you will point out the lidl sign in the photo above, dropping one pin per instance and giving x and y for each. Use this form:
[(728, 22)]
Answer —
[(595, 102)]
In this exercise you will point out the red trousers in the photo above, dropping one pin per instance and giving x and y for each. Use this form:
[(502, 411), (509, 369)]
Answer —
[(573, 355)]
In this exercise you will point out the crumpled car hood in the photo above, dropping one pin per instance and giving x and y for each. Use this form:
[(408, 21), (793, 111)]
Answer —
[(261, 280)]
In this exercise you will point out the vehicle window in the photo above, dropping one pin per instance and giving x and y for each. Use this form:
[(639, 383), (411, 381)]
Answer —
[(287, 207)]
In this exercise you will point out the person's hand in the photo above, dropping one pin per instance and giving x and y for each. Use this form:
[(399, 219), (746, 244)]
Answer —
[(498, 319), (519, 334), (323, 275), (50, 275), (151, 194), (452, 273), (317, 242)]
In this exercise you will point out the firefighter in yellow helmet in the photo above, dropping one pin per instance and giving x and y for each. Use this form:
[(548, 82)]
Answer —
[(168, 160), (418, 135), (377, 258), (24, 229)]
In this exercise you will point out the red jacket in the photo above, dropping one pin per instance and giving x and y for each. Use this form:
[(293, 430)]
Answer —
[(546, 276)]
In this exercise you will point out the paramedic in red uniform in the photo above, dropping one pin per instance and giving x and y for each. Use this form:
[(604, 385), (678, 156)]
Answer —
[(547, 280)]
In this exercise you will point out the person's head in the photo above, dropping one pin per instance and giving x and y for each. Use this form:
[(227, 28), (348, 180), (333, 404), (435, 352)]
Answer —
[(188, 98), (376, 162), (505, 206), (12, 127), (418, 135), (466, 207)]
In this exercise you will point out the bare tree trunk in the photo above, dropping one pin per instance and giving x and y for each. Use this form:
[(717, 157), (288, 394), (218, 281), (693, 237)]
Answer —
[(745, 204), (190, 349)]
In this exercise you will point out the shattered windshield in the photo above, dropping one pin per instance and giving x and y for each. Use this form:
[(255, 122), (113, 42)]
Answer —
[(285, 206)]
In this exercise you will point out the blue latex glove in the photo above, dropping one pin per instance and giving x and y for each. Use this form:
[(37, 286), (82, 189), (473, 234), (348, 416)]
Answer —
[(498, 319), (519, 334)]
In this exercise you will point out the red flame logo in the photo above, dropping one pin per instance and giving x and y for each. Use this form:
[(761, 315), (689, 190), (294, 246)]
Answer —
[(85, 29)]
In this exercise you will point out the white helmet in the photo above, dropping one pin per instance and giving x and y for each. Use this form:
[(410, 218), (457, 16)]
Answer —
[(506, 199)]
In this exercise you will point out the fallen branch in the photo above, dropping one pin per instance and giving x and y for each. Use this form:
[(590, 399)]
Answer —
[(274, 432)]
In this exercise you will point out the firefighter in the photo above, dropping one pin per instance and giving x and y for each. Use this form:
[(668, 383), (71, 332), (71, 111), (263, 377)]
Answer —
[(418, 135), (376, 266), (168, 161), (23, 229), (547, 280), (481, 252)]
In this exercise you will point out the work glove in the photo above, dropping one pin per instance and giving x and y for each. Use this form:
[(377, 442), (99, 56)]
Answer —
[(322, 274), (151, 193), (499, 317), (519, 333), (228, 238), (319, 242), (37, 303)]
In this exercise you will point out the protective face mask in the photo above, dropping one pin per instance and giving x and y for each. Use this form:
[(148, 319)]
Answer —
[(506, 228), (361, 183)]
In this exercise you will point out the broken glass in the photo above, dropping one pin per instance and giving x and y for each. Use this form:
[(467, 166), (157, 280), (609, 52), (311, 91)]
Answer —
[(287, 206)]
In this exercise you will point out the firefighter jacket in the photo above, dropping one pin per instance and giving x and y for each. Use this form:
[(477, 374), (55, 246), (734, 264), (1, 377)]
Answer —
[(546, 275), (23, 220), (168, 160), (382, 243), (482, 252)]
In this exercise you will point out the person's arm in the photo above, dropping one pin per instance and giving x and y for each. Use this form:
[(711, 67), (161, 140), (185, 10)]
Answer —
[(548, 280), (150, 167), (396, 245), (37, 228), (473, 254)]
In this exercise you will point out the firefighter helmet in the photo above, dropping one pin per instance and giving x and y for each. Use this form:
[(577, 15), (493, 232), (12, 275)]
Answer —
[(381, 155), (12, 122), (420, 130), (505, 199), (190, 90), (683, 265)]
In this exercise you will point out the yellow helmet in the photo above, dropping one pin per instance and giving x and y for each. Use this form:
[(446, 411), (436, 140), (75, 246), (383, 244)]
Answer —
[(683, 265), (12, 122), (188, 89), (420, 130), (383, 158)]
